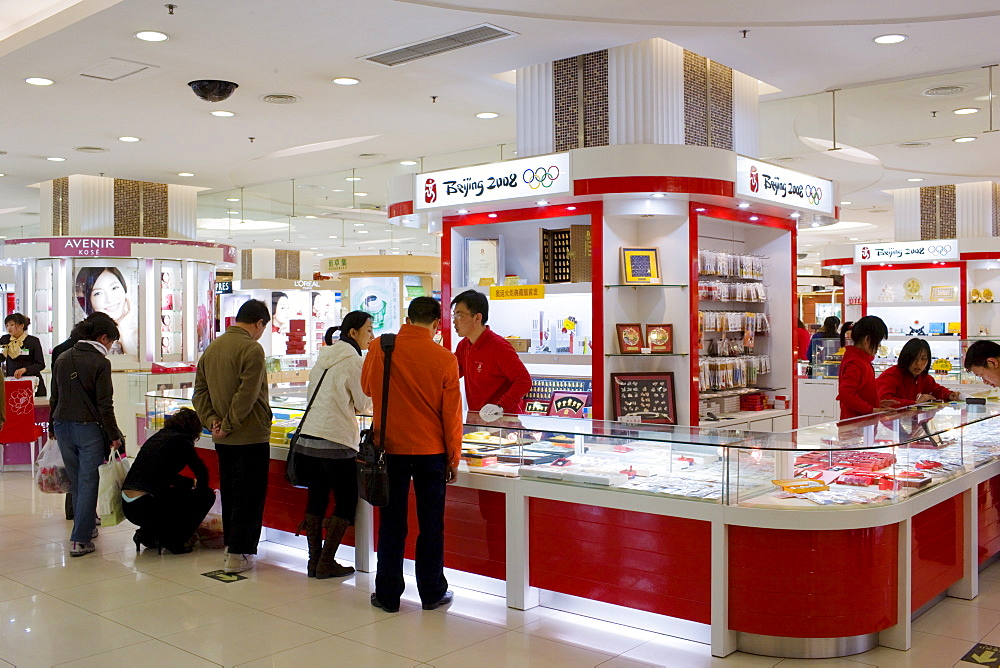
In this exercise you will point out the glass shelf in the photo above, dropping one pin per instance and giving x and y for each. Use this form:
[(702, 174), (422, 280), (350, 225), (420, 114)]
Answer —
[(645, 354), (648, 285)]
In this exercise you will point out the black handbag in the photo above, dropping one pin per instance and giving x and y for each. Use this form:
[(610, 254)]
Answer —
[(296, 473), (373, 477)]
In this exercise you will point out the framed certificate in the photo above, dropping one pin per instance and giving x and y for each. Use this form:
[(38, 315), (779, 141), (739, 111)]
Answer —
[(944, 293), (484, 262), (640, 266)]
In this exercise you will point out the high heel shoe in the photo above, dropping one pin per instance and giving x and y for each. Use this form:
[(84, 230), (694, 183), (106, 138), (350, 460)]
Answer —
[(141, 542)]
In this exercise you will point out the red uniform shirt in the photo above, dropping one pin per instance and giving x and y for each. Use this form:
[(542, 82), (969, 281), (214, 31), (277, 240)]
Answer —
[(899, 385), (858, 390), (493, 373)]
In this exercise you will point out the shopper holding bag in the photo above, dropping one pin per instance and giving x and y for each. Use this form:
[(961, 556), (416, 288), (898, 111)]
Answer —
[(328, 443), (83, 421)]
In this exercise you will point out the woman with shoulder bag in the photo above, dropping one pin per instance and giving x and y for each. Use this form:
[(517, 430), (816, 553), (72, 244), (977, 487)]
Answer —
[(328, 443), (83, 421), (22, 352)]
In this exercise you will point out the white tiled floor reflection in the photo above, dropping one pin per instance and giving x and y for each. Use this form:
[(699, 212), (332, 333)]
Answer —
[(119, 608)]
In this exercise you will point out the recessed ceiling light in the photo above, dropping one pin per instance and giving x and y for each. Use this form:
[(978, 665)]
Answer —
[(39, 81), (222, 114), (359, 224), (889, 39), (657, 194), (854, 238), (232, 199), (487, 114), (353, 178), (53, 159), (744, 205), (346, 81), (337, 190), (914, 180), (700, 210), (463, 211), (571, 208), (492, 215), (211, 241), (360, 194), (813, 224), (425, 244), (408, 163), (314, 248), (796, 214), (128, 139), (362, 231), (332, 236), (151, 36), (542, 202), (185, 174), (310, 216), (963, 140), (277, 241), (845, 203), (754, 218), (233, 213), (966, 110)]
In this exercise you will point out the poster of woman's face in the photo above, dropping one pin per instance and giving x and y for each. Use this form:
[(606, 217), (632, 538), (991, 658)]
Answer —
[(111, 289)]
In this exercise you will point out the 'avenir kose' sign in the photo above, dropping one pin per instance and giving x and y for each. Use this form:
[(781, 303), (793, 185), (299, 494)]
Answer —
[(540, 176), (764, 181), (90, 247)]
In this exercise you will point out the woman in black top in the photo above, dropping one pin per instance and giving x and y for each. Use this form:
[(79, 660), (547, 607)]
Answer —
[(22, 352), (167, 506)]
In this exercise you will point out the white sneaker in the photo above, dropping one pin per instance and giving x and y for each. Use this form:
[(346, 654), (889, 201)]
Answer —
[(237, 563)]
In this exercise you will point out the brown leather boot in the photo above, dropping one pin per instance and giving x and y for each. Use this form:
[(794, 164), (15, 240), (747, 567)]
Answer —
[(312, 527), (328, 566)]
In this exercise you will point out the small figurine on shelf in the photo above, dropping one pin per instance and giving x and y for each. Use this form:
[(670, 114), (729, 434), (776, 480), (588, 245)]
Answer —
[(987, 295), (916, 329), (887, 294), (983, 330), (975, 296)]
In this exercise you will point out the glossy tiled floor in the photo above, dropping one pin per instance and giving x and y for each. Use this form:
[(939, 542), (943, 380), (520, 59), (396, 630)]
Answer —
[(116, 608)]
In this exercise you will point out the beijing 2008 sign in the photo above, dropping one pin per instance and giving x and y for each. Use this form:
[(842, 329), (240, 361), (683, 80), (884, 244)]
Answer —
[(540, 176)]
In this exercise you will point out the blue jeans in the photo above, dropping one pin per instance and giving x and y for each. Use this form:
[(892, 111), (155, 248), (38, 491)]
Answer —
[(82, 448), (428, 475)]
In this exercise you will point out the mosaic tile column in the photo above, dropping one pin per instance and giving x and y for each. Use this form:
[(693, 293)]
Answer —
[(966, 210)]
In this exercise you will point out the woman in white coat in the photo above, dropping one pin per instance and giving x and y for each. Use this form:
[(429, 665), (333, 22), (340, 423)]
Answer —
[(328, 442)]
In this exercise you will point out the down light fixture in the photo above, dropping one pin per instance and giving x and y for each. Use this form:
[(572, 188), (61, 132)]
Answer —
[(151, 36), (966, 110), (346, 81), (491, 215), (754, 218), (658, 195), (185, 173), (39, 81), (542, 202), (362, 231), (914, 180), (332, 236), (360, 194), (845, 203), (1, 175), (744, 205), (571, 208), (889, 39), (353, 178), (813, 224), (462, 212), (963, 140), (54, 159), (128, 139), (487, 114), (222, 114), (408, 163), (310, 216), (232, 199), (700, 209), (854, 239), (796, 214)]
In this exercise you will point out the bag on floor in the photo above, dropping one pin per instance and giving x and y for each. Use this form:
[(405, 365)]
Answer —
[(109, 489), (52, 477), (210, 531)]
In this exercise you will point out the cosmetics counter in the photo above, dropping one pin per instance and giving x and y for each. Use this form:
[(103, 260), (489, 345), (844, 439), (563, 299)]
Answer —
[(697, 521)]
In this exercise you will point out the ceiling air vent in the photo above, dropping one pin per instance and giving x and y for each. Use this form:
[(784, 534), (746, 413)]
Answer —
[(431, 47), (115, 69), (91, 149), (279, 98), (938, 91), (370, 156), (913, 144)]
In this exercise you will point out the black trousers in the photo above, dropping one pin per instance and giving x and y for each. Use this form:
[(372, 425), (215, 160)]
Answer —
[(428, 475), (243, 485), (337, 475), (171, 518)]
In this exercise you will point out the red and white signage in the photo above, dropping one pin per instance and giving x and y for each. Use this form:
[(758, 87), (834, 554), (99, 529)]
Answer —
[(540, 177), (770, 183), (90, 247)]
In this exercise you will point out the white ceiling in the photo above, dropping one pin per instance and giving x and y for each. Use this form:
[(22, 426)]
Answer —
[(800, 47)]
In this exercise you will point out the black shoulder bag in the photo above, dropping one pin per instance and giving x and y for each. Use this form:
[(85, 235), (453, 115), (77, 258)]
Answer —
[(93, 410), (296, 474), (373, 478)]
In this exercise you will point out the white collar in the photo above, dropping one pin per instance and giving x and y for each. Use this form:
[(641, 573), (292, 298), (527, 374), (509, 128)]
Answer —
[(97, 344)]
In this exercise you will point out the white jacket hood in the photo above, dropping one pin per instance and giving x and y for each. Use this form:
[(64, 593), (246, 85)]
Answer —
[(332, 355), (340, 397)]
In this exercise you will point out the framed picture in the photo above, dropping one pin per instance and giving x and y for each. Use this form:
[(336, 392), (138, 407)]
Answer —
[(944, 293), (660, 338), (648, 396), (568, 404), (630, 338), (484, 262), (640, 266)]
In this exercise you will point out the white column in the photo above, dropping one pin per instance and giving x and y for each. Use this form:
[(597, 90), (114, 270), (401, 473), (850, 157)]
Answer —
[(906, 205), (974, 209), (899, 636), (746, 115), (520, 594), (91, 206), (646, 93), (182, 212), (45, 209), (968, 586), (364, 538), (535, 110), (723, 638)]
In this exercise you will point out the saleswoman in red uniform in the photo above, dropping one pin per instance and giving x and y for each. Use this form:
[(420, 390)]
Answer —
[(908, 381), (858, 389)]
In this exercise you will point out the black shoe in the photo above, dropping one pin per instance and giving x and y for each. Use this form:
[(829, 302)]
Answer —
[(448, 597), (379, 605)]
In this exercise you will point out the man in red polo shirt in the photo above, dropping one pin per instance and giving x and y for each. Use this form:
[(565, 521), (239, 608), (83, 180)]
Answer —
[(495, 378)]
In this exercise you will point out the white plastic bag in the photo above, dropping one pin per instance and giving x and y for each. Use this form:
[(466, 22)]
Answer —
[(52, 477), (109, 489), (210, 532)]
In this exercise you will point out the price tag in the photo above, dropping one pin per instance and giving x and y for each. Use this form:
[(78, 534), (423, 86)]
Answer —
[(630, 419)]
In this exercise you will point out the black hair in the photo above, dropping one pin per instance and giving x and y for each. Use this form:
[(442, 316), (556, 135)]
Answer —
[(802, 325), (872, 328), (844, 329), (909, 354), (85, 280), (185, 421), (475, 301), (17, 319), (830, 326), (353, 320), (92, 328), (423, 310), (275, 296), (253, 311), (980, 352)]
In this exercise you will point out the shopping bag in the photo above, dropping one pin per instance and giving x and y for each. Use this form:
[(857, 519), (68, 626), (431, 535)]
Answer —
[(52, 477), (109, 490), (210, 531)]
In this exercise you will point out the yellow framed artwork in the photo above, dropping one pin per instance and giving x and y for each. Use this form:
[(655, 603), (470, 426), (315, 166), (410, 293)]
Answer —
[(640, 266)]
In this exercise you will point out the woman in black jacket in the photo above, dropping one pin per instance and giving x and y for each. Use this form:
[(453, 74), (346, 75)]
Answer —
[(167, 506), (83, 421), (22, 352)]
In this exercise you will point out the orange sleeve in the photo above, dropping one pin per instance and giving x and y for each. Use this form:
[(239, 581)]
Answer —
[(451, 414)]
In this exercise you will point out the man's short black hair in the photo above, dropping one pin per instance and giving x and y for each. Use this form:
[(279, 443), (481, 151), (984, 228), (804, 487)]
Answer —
[(424, 310), (870, 327), (475, 301), (253, 311), (979, 352)]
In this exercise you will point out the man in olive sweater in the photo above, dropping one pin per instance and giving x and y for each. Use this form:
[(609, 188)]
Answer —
[(231, 398)]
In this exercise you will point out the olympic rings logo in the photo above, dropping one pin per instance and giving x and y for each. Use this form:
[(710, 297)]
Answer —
[(943, 249), (813, 194), (540, 177)]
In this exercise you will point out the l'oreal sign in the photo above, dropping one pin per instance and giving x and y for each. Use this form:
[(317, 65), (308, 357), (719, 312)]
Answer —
[(307, 284), (540, 176), (934, 250), (763, 181)]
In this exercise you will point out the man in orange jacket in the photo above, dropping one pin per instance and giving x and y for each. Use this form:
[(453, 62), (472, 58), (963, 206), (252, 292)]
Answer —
[(423, 442)]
